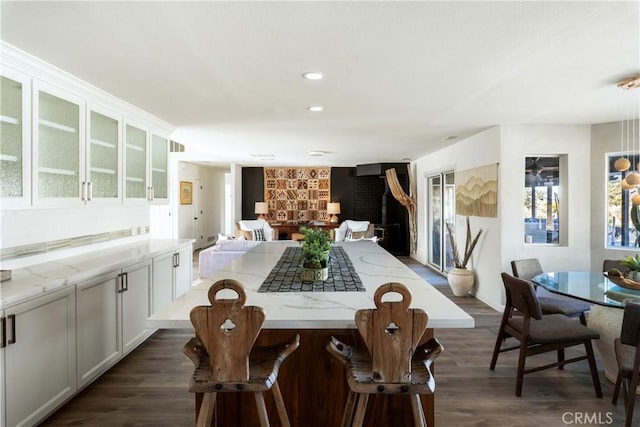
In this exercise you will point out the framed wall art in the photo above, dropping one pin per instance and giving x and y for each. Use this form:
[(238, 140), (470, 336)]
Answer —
[(186, 192)]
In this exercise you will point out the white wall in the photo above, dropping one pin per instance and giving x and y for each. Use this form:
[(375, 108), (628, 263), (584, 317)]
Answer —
[(605, 138), (479, 150), (212, 218), (503, 237), (27, 226)]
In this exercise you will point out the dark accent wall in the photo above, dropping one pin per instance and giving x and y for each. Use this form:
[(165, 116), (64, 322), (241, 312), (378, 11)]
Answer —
[(361, 193)]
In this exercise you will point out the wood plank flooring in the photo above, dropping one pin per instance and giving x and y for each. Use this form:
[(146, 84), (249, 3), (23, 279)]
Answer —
[(149, 387)]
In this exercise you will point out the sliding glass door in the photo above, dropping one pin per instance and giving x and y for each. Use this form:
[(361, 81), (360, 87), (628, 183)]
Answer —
[(441, 197)]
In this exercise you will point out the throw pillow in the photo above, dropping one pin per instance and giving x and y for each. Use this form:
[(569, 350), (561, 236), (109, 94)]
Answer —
[(258, 235)]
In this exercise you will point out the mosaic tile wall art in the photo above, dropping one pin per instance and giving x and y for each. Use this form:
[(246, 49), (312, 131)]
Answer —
[(297, 194)]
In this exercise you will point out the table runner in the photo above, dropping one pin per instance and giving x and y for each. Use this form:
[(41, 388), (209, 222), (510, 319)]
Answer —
[(285, 275)]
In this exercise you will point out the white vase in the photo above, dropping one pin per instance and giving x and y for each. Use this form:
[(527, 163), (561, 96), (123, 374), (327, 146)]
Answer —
[(461, 281)]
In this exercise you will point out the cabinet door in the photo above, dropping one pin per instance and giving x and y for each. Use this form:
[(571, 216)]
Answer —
[(40, 362), (162, 281), (58, 150), (183, 271), (98, 326), (135, 305), (135, 160), (15, 152), (159, 169), (103, 180)]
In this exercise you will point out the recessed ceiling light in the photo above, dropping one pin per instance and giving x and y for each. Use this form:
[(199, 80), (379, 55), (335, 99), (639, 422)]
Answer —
[(313, 75), (449, 138), (263, 156), (315, 108), (317, 153)]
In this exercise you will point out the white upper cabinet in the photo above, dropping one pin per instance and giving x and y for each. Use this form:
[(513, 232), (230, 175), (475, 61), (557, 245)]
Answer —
[(136, 189), (58, 146), (65, 143), (159, 169), (15, 154), (103, 177)]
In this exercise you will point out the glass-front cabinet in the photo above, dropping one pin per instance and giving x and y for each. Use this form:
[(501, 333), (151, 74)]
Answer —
[(15, 155), (159, 168), (103, 180), (135, 159), (58, 149), (57, 129)]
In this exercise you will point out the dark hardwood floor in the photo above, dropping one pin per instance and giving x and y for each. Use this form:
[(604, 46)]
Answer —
[(149, 387)]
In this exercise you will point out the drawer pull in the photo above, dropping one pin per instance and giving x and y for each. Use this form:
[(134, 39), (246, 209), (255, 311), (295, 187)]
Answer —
[(12, 318)]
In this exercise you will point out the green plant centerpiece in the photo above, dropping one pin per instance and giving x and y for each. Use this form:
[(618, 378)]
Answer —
[(460, 278), (315, 254), (632, 264)]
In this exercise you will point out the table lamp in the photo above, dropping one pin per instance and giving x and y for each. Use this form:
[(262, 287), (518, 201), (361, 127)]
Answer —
[(261, 209), (333, 209)]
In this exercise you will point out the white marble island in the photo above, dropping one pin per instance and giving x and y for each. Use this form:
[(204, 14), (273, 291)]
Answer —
[(317, 310), (312, 382)]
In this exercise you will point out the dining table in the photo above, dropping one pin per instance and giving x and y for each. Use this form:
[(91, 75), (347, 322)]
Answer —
[(607, 296)]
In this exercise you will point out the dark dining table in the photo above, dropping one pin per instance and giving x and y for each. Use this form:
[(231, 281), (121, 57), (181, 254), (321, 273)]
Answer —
[(607, 298)]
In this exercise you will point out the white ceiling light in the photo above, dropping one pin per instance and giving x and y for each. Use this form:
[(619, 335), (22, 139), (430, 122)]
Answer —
[(317, 153), (315, 108), (263, 156), (313, 75)]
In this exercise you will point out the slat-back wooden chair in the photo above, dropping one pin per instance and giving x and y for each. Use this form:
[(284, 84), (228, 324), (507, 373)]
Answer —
[(538, 334), (393, 362), (224, 356), (627, 348)]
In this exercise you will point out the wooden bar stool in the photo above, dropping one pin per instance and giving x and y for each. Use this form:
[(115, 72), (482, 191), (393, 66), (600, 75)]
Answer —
[(225, 359), (393, 362)]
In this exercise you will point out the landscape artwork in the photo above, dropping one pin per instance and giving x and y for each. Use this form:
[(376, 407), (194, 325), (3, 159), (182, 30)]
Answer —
[(477, 191)]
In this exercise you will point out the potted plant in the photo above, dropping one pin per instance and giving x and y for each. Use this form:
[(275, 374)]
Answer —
[(460, 278), (315, 254)]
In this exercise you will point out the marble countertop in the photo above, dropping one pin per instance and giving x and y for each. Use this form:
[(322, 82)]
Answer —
[(316, 310), (37, 279)]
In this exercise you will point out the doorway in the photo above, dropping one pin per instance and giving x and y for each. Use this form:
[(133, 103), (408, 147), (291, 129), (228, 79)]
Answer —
[(441, 196)]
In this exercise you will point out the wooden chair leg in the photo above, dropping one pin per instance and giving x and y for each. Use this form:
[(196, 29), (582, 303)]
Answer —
[(205, 416), (593, 367), (262, 409), (418, 413), (631, 398), (616, 389), (282, 410), (358, 419), (522, 357), (347, 415), (561, 358), (496, 349)]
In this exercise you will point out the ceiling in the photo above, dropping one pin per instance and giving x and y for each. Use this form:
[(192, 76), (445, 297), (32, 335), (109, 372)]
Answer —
[(401, 77)]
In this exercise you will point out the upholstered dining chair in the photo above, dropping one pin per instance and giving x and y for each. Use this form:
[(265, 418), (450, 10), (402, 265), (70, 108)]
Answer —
[(627, 348), (225, 357), (527, 269), (537, 334), (608, 264), (394, 361)]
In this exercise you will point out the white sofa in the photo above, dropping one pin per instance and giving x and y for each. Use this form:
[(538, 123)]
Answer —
[(222, 253)]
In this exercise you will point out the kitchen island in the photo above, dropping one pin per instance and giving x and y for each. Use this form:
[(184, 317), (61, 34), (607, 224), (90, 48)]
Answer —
[(312, 382)]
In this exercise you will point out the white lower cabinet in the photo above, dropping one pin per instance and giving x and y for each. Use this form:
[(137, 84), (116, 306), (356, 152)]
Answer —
[(112, 312), (171, 276), (39, 356), (135, 305)]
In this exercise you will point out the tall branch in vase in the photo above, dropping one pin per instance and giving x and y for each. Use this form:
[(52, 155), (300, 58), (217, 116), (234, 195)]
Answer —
[(408, 201)]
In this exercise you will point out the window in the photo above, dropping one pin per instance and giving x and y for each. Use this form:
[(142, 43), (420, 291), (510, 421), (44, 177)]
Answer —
[(541, 200), (623, 222)]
